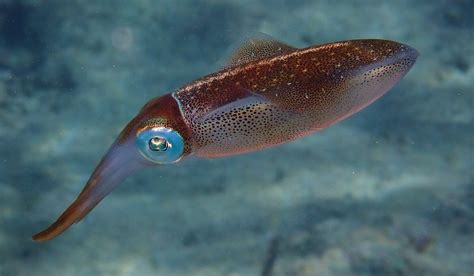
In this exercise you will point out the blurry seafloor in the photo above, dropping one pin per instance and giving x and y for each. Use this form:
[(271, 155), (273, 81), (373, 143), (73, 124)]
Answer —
[(387, 192)]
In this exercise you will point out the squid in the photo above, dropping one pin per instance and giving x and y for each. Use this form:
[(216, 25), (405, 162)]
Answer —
[(267, 94)]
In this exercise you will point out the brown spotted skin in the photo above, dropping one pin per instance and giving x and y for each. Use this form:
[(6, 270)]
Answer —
[(294, 94)]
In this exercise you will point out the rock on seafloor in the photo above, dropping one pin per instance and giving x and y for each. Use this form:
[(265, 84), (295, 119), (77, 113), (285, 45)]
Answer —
[(387, 192)]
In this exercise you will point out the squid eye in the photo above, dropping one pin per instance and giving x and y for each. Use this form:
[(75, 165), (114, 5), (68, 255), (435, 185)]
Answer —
[(160, 145)]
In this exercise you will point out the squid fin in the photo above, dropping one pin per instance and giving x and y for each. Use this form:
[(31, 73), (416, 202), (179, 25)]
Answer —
[(256, 47)]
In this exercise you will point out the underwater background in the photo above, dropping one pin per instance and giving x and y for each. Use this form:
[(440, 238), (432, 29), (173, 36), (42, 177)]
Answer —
[(389, 191)]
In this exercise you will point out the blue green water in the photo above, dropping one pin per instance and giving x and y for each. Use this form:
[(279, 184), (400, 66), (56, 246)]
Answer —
[(388, 191)]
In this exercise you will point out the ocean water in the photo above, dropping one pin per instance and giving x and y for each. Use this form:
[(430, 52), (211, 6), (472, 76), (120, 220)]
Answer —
[(389, 191)]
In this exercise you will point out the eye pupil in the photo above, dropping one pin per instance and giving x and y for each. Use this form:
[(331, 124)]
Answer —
[(158, 144)]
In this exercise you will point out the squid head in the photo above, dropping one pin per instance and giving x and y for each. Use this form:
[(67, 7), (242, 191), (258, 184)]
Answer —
[(157, 135)]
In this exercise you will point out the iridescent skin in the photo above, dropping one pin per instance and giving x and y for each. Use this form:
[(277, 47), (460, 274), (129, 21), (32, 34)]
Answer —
[(270, 94)]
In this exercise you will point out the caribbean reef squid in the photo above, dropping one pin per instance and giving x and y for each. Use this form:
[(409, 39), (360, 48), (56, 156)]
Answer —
[(267, 94)]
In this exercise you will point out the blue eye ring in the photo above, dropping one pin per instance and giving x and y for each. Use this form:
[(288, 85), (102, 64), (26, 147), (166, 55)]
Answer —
[(160, 145)]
